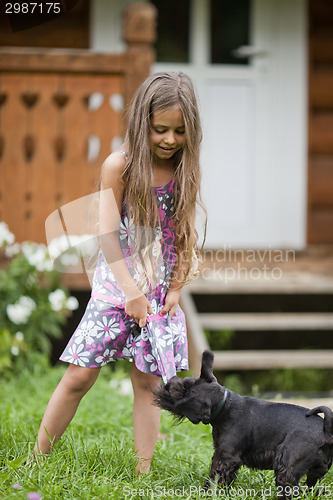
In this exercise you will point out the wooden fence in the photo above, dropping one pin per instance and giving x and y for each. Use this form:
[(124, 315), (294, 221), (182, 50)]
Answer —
[(61, 112)]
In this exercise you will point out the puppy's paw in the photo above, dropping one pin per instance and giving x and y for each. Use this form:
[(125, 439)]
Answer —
[(213, 483), (209, 484)]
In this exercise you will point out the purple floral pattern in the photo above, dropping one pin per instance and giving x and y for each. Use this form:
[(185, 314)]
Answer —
[(105, 332)]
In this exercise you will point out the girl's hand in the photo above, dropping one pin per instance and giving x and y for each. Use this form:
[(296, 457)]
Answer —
[(138, 309), (171, 302)]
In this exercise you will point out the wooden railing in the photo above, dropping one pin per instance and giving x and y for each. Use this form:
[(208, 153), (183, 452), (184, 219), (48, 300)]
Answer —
[(61, 113)]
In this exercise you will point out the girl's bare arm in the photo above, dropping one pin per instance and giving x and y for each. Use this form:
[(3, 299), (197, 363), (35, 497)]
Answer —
[(111, 196)]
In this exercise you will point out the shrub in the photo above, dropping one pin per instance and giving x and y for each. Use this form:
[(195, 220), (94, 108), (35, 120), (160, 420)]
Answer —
[(33, 304)]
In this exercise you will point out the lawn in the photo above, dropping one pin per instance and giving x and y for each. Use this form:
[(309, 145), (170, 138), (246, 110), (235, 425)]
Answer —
[(95, 458)]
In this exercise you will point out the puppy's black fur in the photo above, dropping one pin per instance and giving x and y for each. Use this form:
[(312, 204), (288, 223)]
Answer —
[(289, 439)]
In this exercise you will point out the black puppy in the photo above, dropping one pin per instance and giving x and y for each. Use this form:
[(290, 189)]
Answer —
[(289, 439)]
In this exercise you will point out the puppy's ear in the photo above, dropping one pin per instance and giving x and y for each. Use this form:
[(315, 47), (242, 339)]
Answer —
[(167, 397), (176, 388), (207, 366)]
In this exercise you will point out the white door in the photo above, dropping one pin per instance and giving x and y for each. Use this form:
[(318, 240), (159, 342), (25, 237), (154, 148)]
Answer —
[(254, 113)]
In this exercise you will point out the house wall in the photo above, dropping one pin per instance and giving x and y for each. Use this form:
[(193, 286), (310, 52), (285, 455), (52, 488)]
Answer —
[(106, 25), (265, 204)]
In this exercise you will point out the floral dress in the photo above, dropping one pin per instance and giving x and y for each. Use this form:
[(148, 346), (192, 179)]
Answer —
[(106, 333)]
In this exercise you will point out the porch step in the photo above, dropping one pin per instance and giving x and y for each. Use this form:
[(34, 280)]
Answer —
[(255, 359), (290, 283), (265, 360), (266, 321)]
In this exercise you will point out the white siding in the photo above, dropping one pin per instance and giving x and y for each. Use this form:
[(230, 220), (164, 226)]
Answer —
[(254, 154)]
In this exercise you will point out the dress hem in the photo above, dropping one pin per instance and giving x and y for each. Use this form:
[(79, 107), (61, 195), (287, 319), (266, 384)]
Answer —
[(123, 358)]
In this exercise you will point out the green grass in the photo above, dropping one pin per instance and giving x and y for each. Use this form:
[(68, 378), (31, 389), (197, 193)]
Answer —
[(95, 458)]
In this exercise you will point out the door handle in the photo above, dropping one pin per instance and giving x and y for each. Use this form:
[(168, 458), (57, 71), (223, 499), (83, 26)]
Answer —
[(248, 51)]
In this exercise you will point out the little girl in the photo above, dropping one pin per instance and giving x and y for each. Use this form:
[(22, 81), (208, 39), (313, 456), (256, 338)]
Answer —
[(148, 252)]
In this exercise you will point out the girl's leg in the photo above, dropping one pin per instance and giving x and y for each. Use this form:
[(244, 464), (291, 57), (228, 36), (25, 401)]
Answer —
[(63, 404), (146, 417)]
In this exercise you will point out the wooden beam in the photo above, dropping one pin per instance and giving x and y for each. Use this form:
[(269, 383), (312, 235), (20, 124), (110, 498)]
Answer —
[(320, 88), (67, 61), (266, 321), (139, 33), (320, 225), (290, 283), (321, 132), (321, 179), (196, 337), (266, 360)]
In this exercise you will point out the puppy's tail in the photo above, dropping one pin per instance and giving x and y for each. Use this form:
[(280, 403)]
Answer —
[(328, 417)]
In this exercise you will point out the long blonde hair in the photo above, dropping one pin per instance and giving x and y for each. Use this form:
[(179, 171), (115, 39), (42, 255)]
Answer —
[(159, 92)]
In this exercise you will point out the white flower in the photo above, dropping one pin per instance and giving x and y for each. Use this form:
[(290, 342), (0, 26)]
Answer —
[(19, 312), (33, 252), (106, 356), (6, 237), (182, 361), (72, 303), (37, 255), (127, 351), (57, 299), (27, 302), (178, 330), (16, 314), (114, 384), (125, 387), (160, 343), (15, 350), (108, 326), (155, 306), (19, 336), (157, 249), (28, 248), (57, 246), (127, 230), (151, 361), (162, 275), (46, 265), (163, 338), (86, 332), (76, 356), (169, 337), (12, 250), (105, 271), (70, 259), (71, 248), (144, 334), (85, 245)]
